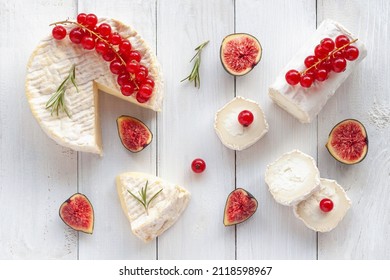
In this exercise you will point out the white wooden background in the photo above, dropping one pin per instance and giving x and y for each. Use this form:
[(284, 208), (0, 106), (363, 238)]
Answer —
[(36, 175)]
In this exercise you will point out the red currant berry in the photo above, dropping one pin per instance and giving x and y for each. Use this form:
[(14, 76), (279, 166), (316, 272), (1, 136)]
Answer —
[(140, 76), (116, 67), (104, 29), (145, 91), (59, 32), (128, 89), (125, 46), (306, 81), (76, 35), (293, 77), (109, 55), (321, 75), (148, 81), (115, 38), (91, 20), (144, 69), (351, 53), (132, 67), (327, 65), (339, 64), (341, 40), (198, 165), (311, 73), (81, 18), (327, 44), (101, 47), (339, 53), (123, 79), (88, 43), (135, 55), (140, 99), (326, 205), (245, 118), (310, 60), (320, 52)]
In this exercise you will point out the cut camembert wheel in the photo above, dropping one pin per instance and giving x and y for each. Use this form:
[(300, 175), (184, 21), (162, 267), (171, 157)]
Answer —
[(49, 65), (163, 210)]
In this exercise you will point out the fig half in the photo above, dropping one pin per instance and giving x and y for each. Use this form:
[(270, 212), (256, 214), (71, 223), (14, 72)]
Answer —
[(77, 213), (240, 53), (348, 141), (240, 206), (134, 134)]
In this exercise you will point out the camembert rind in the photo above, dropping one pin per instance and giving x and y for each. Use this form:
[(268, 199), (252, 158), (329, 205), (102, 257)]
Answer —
[(234, 135), (305, 104), (292, 178), (49, 65), (310, 213), (163, 211)]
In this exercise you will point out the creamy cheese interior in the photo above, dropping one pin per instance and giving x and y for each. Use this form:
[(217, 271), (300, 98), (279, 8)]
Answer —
[(292, 177), (231, 132), (49, 65), (311, 214), (302, 103), (163, 211)]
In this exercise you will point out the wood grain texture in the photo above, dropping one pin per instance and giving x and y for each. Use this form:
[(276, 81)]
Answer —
[(363, 232), (186, 126), (36, 175), (112, 238), (281, 27)]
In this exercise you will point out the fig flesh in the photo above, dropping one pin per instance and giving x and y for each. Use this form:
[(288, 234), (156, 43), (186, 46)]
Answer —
[(77, 213), (240, 53), (240, 206), (134, 134), (348, 141)]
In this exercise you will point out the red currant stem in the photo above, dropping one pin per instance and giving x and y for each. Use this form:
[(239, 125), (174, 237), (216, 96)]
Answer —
[(100, 38), (329, 55)]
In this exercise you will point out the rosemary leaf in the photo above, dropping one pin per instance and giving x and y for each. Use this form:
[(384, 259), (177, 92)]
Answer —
[(142, 199), (195, 75)]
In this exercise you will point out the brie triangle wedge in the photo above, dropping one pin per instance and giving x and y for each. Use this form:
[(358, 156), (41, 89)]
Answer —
[(163, 211), (49, 66)]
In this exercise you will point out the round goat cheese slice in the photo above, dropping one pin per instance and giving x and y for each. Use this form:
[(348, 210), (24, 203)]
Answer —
[(313, 217), (292, 178), (49, 66), (233, 134)]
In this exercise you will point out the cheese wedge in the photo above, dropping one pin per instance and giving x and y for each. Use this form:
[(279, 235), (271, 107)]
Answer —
[(306, 103), (163, 211), (49, 65)]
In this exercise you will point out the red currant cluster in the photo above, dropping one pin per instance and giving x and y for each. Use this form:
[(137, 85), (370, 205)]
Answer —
[(328, 56), (124, 61)]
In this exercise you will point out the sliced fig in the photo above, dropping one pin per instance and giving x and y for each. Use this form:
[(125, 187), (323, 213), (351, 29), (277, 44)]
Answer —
[(240, 53), (348, 141), (77, 213), (240, 206), (134, 134)]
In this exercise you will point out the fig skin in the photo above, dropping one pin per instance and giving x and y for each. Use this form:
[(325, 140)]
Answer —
[(66, 202), (251, 197), (364, 131), (226, 39), (123, 118)]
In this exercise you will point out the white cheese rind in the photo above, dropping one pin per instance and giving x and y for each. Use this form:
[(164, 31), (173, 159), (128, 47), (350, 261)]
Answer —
[(234, 135), (49, 65), (292, 178), (310, 213), (163, 211), (305, 104)]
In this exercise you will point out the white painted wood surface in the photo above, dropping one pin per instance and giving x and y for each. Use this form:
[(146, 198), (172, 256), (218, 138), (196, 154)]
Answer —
[(36, 175)]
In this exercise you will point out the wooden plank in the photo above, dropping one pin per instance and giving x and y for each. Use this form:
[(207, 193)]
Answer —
[(186, 127), (364, 96), (281, 27), (112, 238), (36, 175)]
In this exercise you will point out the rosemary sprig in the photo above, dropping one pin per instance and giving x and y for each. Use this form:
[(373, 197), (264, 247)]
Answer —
[(57, 100), (143, 197), (194, 75)]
